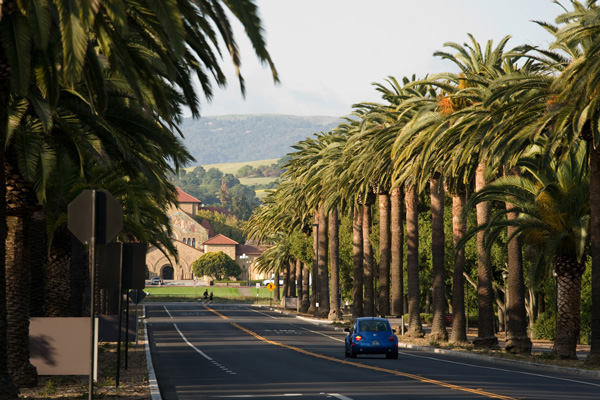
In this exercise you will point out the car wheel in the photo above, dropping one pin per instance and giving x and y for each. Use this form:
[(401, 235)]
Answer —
[(393, 355), (352, 353)]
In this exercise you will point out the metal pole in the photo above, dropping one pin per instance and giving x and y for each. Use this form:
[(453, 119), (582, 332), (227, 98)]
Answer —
[(467, 303), (92, 263), (137, 327), (120, 315), (126, 332)]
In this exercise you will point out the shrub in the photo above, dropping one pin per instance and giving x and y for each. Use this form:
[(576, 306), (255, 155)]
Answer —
[(543, 328)]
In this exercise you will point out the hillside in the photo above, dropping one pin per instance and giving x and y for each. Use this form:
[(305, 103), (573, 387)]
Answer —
[(241, 138)]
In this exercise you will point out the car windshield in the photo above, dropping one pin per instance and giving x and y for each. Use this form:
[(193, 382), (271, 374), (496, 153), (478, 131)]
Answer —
[(374, 326)]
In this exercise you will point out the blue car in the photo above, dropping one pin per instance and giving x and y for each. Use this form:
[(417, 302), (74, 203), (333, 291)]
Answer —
[(371, 335)]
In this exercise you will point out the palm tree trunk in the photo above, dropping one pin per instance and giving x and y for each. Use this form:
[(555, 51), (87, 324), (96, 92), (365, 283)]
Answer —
[(358, 272), (286, 283), (459, 228), (298, 279), (8, 389), (517, 340), (438, 323), (568, 305), (322, 264), (335, 312), (37, 243), (58, 291), (292, 279), (397, 252), (80, 280), (277, 293), (384, 253), (485, 295), (21, 204), (312, 309), (594, 356), (305, 303), (369, 299), (415, 329)]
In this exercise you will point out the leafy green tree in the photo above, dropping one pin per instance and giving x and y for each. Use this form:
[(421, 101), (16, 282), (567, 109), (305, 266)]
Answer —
[(224, 195), (245, 171), (229, 226), (216, 265), (240, 207)]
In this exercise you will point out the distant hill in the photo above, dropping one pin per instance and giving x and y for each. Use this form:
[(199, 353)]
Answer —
[(238, 138)]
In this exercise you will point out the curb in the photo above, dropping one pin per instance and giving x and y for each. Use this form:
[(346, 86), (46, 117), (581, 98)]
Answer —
[(467, 355), (153, 383)]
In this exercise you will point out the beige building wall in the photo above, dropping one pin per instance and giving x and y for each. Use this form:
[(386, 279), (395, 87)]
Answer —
[(227, 249), (190, 208), (186, 229), (157, 261)]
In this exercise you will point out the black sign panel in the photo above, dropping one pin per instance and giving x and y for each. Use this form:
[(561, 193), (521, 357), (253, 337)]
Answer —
[(137, 295), (109, 258), (95, 214), (134, 265)]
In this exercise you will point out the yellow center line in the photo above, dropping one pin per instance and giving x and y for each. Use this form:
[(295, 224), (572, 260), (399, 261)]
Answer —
[(390, 371)]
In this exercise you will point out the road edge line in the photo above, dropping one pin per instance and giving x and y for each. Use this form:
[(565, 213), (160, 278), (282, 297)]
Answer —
[(152, 382)]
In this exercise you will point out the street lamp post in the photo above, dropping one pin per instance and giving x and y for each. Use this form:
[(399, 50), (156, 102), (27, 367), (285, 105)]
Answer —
[(316, 268), (555, 275), (504, 277)]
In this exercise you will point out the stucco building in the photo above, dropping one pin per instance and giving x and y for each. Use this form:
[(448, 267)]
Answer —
[(192, 240)]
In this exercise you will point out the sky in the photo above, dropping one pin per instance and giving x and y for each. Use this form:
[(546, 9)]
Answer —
[(328, 53)]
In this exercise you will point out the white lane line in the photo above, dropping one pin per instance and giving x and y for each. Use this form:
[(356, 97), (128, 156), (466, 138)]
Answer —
[(503, 370), (203, 354), (168, 311), (339, 396), (154, 390), (251, 396), (261, 313), (320, 333)]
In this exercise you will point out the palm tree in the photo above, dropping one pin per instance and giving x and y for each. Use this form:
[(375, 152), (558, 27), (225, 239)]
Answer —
[(335, 312), (415, 329), (577, 111), (74, 48), (473, 63), (397, 252), (553, 205)]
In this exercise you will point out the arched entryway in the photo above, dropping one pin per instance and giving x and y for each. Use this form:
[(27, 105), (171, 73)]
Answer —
[(166, 272)]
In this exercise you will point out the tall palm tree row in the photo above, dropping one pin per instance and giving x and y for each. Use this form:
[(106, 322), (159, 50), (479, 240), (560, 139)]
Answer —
[(467, 133), (56, 48)]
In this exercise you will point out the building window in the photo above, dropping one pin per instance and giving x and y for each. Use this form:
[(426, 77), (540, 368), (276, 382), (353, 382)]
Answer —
[(194, 242)]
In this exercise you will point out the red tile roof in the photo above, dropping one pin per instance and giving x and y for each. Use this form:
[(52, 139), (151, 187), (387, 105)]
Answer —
[(183, 197), (220, 239), (207, 226), (247, 249)]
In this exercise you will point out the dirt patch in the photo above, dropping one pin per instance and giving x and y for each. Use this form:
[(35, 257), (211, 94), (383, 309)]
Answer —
[(133, 381)]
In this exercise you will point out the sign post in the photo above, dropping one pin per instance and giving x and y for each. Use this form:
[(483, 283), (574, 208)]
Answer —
[(94, 217), (270, 286)]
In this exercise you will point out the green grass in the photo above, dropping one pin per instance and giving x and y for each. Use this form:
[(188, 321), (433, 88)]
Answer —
[(198, 291), (257, 180), (232, 168), (261, 194)]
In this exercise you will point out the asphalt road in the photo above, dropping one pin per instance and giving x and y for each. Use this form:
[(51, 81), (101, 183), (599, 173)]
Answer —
[(236, 351)]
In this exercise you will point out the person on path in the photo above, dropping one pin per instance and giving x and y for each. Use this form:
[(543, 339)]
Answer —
[(205, 296), (211, 297)]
